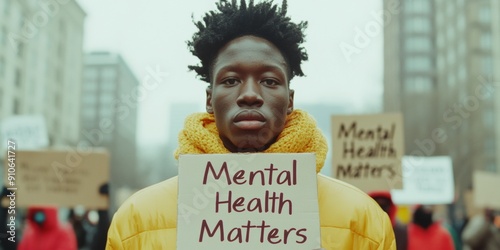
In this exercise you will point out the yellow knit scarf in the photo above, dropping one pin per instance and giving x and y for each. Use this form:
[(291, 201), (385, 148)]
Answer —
[(300, 135)]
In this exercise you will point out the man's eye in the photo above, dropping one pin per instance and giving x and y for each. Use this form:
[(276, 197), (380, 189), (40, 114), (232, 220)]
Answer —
[(230, 81), (270, 82)]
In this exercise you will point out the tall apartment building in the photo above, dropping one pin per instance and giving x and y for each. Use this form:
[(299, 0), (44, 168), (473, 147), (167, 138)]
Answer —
[(442, 66), (109, 114), (41, 64)]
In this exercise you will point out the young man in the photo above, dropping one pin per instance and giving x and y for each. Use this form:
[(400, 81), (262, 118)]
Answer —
[(249, 54)]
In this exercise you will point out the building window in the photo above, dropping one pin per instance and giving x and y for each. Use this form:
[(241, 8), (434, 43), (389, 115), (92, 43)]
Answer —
[(450, 9), (89, 99), (418, 24), (461, 48), (419, 84), (485, 41), (461, 22), (418, 6), (451, 34), (440, 40), (108, 87), (441, 61), (487, 65), (106, 99), (106, 111), (462, 72), (484, 14), (418, 64), (108, 74), (90, 74), (418, 44), (451, 57), (88, 113), (89, 87)]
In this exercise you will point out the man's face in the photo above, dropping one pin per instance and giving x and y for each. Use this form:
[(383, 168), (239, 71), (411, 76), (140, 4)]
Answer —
[(249, 97)]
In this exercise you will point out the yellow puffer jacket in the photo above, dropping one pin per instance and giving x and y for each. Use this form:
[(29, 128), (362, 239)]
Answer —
[(349, 219)]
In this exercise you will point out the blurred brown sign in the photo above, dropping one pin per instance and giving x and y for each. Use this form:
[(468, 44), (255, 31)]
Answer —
[(62, 178), (367, 150), (486, 186)]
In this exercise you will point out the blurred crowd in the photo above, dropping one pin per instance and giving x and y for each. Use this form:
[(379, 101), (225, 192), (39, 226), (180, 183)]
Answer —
[(50, 228), (425, 231), (53, 228)]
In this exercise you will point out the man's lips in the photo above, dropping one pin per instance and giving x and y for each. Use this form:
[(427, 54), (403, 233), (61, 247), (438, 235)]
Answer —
[(249, 120)]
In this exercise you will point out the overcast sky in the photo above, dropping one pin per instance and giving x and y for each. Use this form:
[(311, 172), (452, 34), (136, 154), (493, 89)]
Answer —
[(151, 36)]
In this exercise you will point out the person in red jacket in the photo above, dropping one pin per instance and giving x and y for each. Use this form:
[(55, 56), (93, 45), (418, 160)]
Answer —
[(44, 232), (425, 233)]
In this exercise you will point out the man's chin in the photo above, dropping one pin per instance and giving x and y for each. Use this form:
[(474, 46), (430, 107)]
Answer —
[(251, 147)]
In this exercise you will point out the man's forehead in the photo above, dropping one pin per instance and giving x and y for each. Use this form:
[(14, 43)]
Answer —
[(248, 50)]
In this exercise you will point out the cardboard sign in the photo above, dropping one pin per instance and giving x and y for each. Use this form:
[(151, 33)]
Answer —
[(248, 201), (486, 187), (470, 207), (367, 150), (61, 178), (428, 180), (28, 131)]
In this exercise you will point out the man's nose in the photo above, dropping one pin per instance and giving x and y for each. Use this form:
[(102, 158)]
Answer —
[(250, 94)]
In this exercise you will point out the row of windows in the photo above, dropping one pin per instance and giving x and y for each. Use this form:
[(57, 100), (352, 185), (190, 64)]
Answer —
[(418, 24), (89, 112), (106, 74), (418, 84), (418, 64), (418, 44), (484, 14), (91, 99), (92, 86), (417, 6)]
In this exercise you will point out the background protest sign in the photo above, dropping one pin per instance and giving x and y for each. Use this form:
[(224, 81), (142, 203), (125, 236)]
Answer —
[(28, 131), (470, 206), (248, 201), (367, 150), (486, 187), (61, 178), (427, 180)]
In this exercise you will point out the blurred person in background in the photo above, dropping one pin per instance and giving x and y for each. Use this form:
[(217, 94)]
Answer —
[(249, 54), (76, 218), (426, 234), (4, 210), (482, 232), (43, 231), (100, 236), (91, 226), (384, 199)]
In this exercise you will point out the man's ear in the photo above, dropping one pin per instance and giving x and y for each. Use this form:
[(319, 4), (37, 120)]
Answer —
[(290, 101), (208, 105)]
